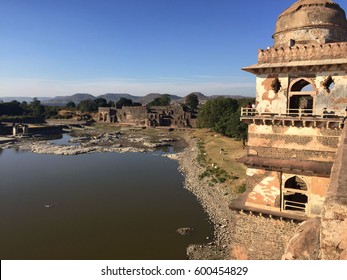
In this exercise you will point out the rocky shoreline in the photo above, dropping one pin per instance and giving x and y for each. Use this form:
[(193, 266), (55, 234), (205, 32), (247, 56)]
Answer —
[(213, 202)]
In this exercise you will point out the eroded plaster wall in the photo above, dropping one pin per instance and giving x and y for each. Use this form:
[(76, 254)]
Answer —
[(266, 97), (268, 100), (265, 189)]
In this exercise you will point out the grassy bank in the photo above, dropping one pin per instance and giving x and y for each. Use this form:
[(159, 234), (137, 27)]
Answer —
[(218, 155)]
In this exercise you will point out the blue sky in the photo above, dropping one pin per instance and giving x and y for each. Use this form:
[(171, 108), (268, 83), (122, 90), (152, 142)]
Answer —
[(50, 48)]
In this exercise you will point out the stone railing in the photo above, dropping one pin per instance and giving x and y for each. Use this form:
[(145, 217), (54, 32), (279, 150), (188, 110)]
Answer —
[(290, 113), (304, 52)]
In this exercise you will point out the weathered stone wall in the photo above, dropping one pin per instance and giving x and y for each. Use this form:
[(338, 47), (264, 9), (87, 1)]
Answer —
[(270, 152), (326, 238), (304, 244), (333, 235), (132, 115), (259, 238), (284, 142)]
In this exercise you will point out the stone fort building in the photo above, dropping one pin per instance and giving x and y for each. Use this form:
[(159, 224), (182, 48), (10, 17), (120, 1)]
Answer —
[(301, 97), (172, 115)]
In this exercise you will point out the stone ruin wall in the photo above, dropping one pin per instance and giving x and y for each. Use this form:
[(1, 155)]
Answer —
[(270, 101), (132, 115), (259, 238)]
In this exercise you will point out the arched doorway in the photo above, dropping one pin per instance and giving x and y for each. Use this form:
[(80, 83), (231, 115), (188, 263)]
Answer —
[(302, 94), (295, 195), (101, 117), (106, 118)]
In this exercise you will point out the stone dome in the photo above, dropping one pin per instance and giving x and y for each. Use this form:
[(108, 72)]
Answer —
[(310, 22)]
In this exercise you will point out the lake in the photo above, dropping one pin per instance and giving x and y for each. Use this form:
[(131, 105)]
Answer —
[(96, 206)]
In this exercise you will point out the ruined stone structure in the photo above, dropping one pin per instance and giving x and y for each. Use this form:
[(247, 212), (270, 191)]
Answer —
[(301, 97), (172, 115), (20, 129)]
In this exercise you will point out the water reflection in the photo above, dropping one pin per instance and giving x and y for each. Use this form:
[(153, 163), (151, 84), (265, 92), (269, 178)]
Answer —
[(62, 139)]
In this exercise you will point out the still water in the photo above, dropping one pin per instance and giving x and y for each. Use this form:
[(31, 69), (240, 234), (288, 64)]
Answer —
[(95, 206)]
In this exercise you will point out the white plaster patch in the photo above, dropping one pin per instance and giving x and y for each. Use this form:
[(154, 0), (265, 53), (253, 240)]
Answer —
[(268, 193), (271, 94), (251, 172)]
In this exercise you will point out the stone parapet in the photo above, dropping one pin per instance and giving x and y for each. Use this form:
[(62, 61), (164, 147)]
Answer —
[(302, 53)]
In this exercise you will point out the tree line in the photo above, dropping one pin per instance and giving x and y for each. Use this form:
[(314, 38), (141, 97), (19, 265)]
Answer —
[(222, 115), (33, 109)]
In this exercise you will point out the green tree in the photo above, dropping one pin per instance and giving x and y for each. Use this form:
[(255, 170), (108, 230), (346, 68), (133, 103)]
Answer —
[(123, 102), (37, 110), (100, 102), (111, 104), (192, 101), (88, 106), (223, 116), (163, 100), (70, 105), (13, 108), (51, 112)]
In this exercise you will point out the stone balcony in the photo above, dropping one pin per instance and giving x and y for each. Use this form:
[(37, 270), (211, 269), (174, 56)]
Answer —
[(292, 117)]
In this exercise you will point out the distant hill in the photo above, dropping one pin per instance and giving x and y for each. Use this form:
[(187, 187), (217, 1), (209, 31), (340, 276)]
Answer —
[(62, 100), (116, 96), (150, 97), (78, 97)]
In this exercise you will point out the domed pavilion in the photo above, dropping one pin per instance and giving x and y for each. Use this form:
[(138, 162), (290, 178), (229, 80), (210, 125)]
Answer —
[(301, 97)]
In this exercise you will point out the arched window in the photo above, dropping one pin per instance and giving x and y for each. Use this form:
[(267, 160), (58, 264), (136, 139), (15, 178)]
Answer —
[(302, 94), (295, 196), (329, 84), (296, 183), (302, 85), (276, 85)]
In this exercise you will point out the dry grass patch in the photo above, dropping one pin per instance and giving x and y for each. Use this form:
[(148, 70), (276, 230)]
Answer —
[(223, 152)]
